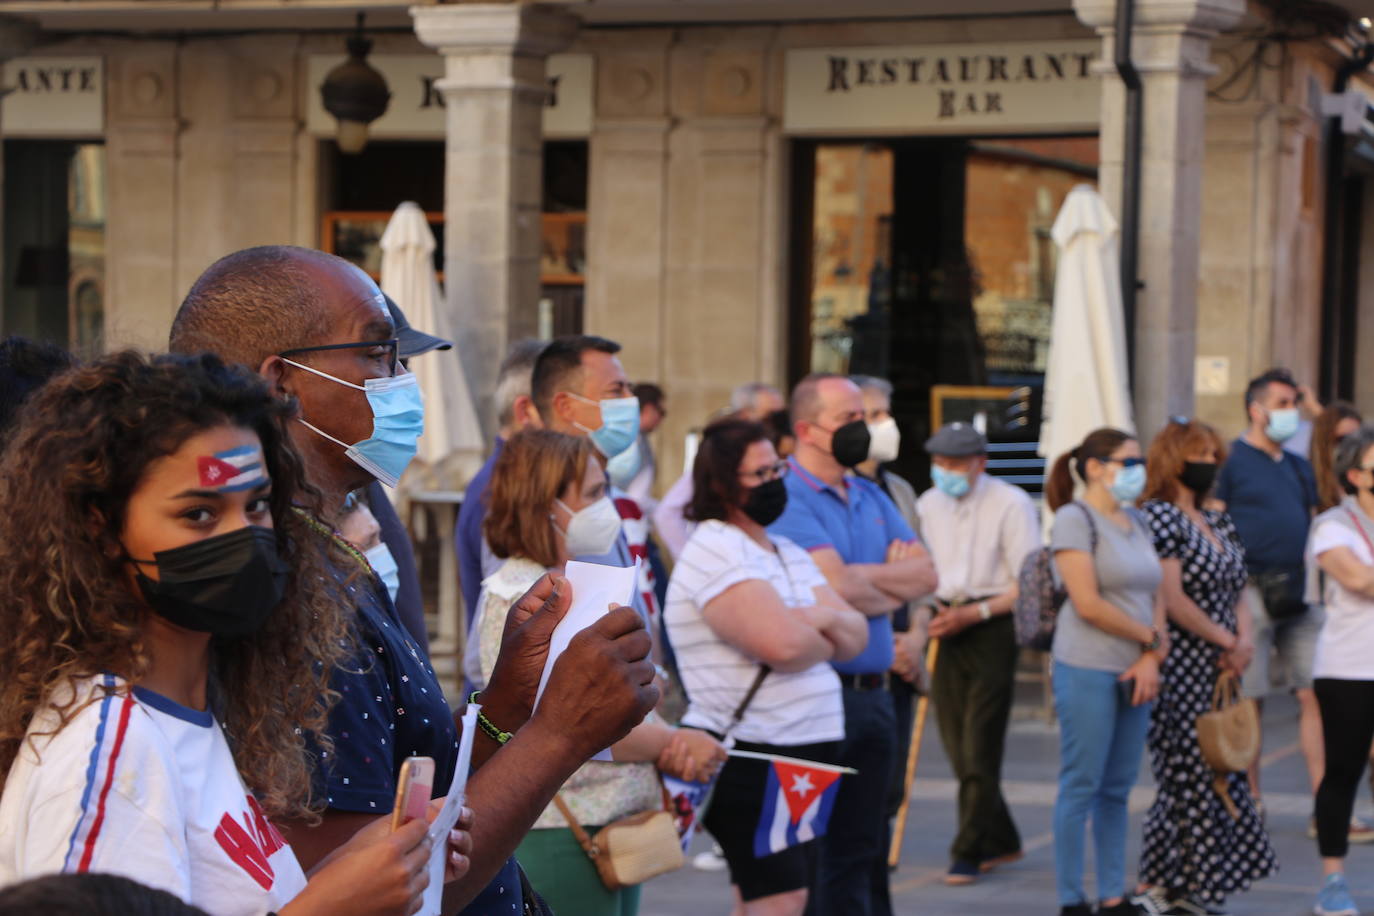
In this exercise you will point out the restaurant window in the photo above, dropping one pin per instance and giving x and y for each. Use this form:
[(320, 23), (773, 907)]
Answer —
[(364, 190), (54, 243)]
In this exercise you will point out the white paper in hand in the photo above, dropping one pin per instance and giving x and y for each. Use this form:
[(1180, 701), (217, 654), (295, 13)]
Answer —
[(448, 816), (594, 589)]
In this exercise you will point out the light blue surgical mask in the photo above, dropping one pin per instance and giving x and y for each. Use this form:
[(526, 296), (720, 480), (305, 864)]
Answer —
[(398, 421), (1129, 483), (951, 483), (384, 565), (1283, 424), (619, 424), (623, 467)]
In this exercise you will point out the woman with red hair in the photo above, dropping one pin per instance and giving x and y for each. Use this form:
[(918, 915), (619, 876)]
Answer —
[(1195, 853)]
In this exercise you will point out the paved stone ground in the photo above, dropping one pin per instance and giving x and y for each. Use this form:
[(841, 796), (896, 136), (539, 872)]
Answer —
[(1028, 887)]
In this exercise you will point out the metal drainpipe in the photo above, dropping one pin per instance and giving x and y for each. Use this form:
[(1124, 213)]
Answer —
[(1130, 179), (1330, 370)]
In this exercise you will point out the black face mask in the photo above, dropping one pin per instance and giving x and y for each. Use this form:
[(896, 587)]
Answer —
[(1199, 476), (849, 444), (766, 502), (226, 585)]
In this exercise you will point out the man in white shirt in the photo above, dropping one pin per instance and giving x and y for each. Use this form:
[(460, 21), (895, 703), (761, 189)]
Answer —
[(979, 531)]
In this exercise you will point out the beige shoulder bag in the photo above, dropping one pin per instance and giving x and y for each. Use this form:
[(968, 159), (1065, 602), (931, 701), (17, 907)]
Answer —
[(634, 849), (1229, 735), (631, 850)]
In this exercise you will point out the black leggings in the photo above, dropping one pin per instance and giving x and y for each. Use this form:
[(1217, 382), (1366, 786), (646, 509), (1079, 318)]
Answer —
[(1347, 709)]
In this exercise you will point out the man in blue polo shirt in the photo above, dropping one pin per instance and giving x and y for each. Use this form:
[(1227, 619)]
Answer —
[(870, 555)]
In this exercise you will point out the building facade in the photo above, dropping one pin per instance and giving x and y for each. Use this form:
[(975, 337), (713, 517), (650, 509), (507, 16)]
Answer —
[(735, 191)]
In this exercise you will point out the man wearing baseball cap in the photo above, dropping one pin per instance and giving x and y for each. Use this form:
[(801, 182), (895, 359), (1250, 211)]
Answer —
[(409, 342), (979, 530)]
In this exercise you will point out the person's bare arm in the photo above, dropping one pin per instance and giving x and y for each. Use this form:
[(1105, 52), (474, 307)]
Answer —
[(846, 628), (1185, 613), (1341, 564), (1080, 578), (908, 573), (954, 619), (751, 616), (600, 688), (853, 583)]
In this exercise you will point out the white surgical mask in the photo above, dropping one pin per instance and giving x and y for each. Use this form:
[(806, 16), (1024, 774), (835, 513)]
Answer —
[(884, 440), (384, 565), (592, 530)]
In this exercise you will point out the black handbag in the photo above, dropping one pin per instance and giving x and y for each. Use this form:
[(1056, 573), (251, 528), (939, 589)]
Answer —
[(1281, 592)]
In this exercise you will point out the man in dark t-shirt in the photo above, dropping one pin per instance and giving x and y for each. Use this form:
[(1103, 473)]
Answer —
[(1271, 495), (317, 329)]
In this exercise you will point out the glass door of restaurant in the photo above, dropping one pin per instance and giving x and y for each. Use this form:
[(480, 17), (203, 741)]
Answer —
[(929, 262)]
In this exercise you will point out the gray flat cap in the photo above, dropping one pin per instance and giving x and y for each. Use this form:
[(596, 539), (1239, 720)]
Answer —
[(957, 440)]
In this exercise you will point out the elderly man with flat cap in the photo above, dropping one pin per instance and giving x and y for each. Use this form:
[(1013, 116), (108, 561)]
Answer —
[(979, 530)]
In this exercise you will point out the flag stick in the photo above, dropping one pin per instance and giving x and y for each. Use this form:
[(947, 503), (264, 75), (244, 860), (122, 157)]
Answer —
[(913, 755)]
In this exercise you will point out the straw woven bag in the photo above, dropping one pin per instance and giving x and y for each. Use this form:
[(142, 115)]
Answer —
[(1229, 735)]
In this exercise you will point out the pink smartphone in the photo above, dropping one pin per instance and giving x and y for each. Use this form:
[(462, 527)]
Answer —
[(413, 790)]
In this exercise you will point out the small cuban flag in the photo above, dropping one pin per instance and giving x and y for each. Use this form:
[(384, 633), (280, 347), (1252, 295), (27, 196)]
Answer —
[(687, 801), (233, 470), (796, 804)]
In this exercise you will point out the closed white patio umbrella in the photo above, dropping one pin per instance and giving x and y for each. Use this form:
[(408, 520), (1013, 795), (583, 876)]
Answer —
[(1086, 383), (450, 451)]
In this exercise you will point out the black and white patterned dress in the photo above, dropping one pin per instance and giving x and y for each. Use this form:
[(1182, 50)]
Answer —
[(1193, 847)]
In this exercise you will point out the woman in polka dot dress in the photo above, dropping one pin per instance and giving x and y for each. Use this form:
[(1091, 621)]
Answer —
[(1195, 853)]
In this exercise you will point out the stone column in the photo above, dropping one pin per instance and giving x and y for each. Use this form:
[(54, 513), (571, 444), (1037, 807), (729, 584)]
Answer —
[(494, 90), (628, 205), (1171, 47), (142, 136), (17, 36)]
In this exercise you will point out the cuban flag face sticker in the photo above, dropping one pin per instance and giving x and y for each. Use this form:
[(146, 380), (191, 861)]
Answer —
[(232, 470), (796, 805)]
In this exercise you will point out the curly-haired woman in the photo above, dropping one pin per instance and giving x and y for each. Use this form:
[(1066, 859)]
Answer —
[(167, 635)]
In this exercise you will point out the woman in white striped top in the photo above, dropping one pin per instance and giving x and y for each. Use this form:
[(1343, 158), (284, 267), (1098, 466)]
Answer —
[(740, 602)]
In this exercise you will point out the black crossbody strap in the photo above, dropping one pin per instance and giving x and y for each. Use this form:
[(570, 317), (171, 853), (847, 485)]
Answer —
[(748, 698)]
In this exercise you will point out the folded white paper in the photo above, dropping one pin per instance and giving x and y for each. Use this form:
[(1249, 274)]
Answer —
[(594, 589), (448, 816)]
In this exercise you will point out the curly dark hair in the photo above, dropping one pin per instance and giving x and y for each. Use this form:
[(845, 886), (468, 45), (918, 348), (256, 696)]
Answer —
[(715, 472), (90, 895), (79, 451)]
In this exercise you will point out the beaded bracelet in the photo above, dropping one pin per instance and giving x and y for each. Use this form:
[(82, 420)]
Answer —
[(486, 725)]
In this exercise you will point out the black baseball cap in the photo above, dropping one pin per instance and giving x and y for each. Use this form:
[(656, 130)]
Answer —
[(412, 342)]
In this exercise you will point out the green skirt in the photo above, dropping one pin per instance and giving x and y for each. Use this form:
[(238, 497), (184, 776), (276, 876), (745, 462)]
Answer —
[(563, 875)]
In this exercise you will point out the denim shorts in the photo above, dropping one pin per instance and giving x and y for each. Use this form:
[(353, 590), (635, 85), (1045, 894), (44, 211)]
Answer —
[(1294, 641)]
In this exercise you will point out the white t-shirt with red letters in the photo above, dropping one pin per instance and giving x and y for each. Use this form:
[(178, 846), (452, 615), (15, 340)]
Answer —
[(140, 786)]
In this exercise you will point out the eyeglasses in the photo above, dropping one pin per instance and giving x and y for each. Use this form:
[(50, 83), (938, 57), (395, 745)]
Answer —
[(764, 474), (390, 350), (1180, 420), (1124, 462)]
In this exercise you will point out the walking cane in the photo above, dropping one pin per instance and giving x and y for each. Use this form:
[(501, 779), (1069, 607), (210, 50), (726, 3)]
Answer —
[(913, 755)]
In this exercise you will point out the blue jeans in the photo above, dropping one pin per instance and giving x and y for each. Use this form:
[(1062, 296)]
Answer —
[(1101, 740)]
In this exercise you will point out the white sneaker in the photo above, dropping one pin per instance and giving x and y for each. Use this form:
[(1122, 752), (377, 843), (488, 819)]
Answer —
[(1153, 902), (714, 860)]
